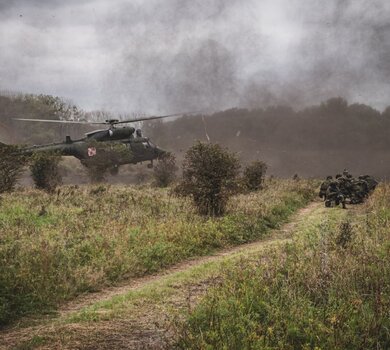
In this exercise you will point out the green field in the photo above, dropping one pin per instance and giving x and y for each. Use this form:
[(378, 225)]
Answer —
[(329, 289), (54, 247), (320, 281)]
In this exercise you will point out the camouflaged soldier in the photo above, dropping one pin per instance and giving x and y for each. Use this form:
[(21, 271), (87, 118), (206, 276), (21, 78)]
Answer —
[(345, 184), (359, 190), (334, 195), (324, 187), (371, 182)]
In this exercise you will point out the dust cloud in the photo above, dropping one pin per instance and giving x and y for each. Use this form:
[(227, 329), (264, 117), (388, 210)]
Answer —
[(177, 55)]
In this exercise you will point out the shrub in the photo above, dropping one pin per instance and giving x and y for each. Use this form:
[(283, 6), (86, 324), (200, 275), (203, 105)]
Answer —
[(253, 176), (307, 294), (108, 158), (92, 236), (345, 234), (11, 166), (45, 171), (165, 170), (209, 177)]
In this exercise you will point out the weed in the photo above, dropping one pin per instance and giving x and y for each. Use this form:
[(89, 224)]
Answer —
[(307, 295), (345, 234), (32, 343), (91, 236)]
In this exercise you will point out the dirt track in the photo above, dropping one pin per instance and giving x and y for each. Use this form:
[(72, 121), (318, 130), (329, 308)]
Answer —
[(147, 330)]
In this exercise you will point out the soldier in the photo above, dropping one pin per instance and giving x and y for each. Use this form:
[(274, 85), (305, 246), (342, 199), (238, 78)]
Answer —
[(324, 187), (359, 190), (334, 194), (345, 184), (371, 182)]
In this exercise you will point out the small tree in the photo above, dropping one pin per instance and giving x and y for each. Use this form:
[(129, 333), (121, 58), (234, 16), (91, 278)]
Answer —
[(254, 174), (107, 157), (209, 177), (11, 167), (165, 170), (45, 171)]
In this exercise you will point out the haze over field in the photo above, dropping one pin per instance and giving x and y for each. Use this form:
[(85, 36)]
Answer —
[(163, 56)]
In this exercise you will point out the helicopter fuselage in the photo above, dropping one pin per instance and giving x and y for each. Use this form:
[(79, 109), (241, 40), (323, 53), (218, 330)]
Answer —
[(115, 146)]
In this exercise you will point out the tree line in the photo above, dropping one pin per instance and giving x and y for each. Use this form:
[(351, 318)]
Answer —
[(324, 138), (313, 141)]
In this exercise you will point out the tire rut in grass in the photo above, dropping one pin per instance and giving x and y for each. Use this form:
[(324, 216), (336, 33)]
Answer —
[(134, 334)]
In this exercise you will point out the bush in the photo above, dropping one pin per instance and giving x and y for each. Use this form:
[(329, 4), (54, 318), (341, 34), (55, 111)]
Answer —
[(253, 176), (108, 158), (11, 166), (307, 294), (345, 234), (165, 170), (45, 171), (92, 236), (209, 177)]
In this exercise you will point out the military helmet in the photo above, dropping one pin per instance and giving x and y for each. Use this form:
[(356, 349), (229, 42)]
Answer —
[(338, 176)]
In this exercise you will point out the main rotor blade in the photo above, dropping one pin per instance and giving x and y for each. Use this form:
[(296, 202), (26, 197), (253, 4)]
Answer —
[(153, 118), (59, 121), (107, 122)]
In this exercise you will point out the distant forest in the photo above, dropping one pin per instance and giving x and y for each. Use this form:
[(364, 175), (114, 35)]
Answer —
[(316, 141)]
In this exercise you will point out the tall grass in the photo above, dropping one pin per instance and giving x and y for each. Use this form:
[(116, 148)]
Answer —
[(55, 246), (330, 289)]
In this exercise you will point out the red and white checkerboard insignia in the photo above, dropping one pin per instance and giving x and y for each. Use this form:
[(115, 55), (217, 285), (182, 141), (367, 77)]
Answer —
[(91, 151)]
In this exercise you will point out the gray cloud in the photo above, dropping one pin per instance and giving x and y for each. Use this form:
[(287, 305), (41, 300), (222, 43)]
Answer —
[(161, 56), (296, 52)]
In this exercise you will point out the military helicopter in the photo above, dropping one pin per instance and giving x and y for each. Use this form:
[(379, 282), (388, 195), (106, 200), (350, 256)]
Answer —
[(112, 146)]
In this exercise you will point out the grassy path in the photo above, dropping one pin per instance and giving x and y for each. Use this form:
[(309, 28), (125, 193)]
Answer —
[(134, 314)]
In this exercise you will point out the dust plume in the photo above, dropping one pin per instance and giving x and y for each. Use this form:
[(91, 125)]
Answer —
[(180, 54)]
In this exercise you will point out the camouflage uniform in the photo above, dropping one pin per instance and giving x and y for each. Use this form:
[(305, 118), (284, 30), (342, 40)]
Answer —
[(334, 194), (371, 182), (345, 184), (359, 191), (324, 187), (346, 187)]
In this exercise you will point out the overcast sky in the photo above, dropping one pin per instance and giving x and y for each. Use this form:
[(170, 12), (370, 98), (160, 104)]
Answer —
[(174, 55)]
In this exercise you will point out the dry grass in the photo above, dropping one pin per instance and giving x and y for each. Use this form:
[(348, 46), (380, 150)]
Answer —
[(55, 246), (329, 289)]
